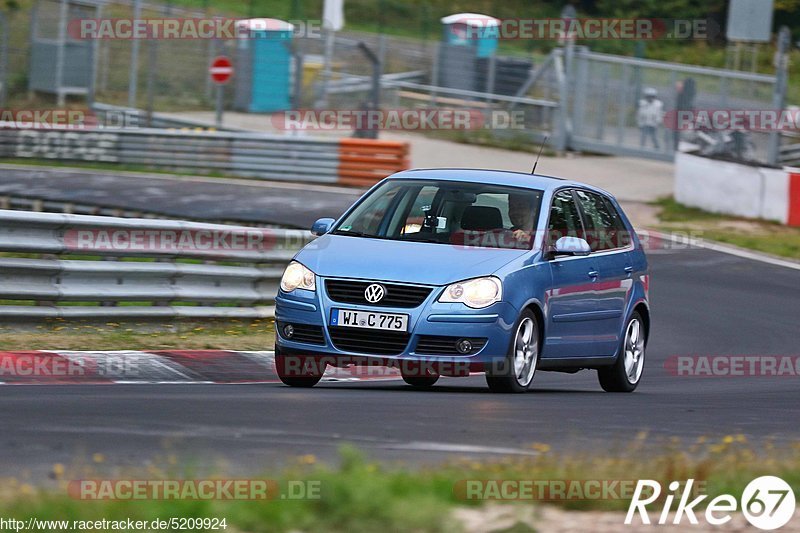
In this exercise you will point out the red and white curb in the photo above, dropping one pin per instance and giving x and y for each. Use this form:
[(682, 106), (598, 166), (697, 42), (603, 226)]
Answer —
[(161, 367)]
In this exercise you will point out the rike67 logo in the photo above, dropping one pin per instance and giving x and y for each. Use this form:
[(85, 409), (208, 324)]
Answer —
[(768, 503)]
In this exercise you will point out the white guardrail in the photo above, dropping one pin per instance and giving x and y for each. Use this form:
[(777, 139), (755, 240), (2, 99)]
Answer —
[(79, 266), (250, 155)]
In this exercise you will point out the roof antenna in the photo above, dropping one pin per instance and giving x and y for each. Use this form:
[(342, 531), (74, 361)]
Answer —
[(539, 154)]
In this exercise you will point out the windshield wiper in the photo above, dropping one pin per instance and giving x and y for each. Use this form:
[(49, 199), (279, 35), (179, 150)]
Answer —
[(356, 234), (433, 240)]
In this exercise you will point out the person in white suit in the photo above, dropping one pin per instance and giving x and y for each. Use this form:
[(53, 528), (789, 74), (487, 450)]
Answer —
[(649, 117)]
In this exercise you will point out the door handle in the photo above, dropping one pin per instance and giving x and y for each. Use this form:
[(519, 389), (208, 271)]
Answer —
[(593, 274), (629, 270)]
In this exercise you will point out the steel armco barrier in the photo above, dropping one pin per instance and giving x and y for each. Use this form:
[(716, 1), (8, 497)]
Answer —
[(250, 155), (173, 268)]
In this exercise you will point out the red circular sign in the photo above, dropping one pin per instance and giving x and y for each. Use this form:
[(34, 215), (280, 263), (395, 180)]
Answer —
[(221, 70)]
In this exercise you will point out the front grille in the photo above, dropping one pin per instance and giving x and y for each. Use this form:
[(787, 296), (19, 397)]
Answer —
[(369, 341), (303, 333), (397, 295), (440, 345)]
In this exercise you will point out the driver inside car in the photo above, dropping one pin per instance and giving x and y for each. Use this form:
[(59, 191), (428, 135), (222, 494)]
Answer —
[(521, 216)]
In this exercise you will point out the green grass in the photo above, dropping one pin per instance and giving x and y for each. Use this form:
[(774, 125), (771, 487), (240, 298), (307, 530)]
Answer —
[(359, 495), (768, 237), (212, 334)]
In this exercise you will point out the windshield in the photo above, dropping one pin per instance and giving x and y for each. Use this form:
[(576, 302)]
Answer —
[(447, 212)]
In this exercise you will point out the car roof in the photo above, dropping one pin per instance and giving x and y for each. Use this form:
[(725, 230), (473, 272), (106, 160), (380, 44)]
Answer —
[(495, 177)]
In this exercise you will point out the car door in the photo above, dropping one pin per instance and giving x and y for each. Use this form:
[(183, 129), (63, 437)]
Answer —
[(612, 264), (569, 301)]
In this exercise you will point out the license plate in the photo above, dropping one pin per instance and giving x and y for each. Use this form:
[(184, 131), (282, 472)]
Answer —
[(369, 320)]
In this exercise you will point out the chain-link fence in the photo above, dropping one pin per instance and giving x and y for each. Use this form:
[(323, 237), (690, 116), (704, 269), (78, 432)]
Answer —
[(609, 92), (580, 99), (171, 73)]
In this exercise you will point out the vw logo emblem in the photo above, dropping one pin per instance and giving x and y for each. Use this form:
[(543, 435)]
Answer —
[(374, 293)]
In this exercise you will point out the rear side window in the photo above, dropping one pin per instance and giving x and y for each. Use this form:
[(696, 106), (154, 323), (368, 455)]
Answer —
[(565, 219), (604, 227)]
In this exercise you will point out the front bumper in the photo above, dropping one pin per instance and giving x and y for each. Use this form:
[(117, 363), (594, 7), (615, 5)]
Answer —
[(431, 318)]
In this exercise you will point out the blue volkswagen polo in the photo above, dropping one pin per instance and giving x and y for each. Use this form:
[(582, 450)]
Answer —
[(454, 271)]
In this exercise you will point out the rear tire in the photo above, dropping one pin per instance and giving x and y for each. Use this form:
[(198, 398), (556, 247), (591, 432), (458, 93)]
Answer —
[(626, 373), (516, 373), (297, 370)]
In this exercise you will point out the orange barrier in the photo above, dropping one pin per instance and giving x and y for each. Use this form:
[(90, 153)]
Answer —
[(364, 162)]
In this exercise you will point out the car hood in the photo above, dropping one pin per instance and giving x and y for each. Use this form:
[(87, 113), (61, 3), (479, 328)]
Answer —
[(339, 256)]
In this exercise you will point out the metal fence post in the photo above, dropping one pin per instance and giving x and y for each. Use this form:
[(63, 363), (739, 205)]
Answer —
[(375, 96), (210, 53), (3, 59), (491, 67), (327, 69), (152, 56), (33, 32), (133, 79), (435, 74), (152, 60), (561, 139), (779, 93), (91, 93), (62, 44), (298, 79)]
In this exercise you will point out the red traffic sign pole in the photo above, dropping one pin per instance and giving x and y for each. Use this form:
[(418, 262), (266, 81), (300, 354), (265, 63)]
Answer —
[(221, 70)]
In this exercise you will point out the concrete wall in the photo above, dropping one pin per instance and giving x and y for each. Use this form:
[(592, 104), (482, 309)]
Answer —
[(734, 189)]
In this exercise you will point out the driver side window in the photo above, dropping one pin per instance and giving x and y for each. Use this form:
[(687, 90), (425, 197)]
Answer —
[(565, 219)]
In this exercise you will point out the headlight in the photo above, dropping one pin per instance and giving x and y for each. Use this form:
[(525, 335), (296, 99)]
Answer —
[(475, 293), (296, 276)]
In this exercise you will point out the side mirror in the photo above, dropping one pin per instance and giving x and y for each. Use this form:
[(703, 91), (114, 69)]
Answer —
[(572, 246), (322, 226)]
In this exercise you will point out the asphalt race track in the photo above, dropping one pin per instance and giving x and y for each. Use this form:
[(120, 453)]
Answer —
[(704, 303), (192, 198)]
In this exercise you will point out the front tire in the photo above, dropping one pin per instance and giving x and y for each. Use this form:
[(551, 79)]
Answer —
[(517, 371), (626, 373), (297, 370), (421, 382), (417, 376)]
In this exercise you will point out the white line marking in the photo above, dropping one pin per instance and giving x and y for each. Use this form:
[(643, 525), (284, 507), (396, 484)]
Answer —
[(730, 250), (164, 382), (459, 448)]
